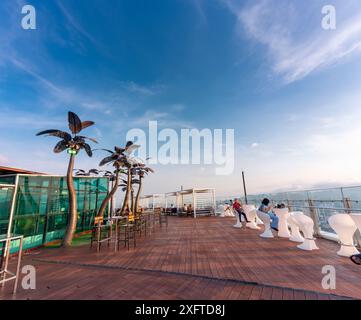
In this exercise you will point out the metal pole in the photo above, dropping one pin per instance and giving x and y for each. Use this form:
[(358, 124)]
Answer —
[(13, 204), (244, 188)]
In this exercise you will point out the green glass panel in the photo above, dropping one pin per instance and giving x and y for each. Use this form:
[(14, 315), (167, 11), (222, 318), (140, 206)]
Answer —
[(7, 180), (6, 195), (42, 206)]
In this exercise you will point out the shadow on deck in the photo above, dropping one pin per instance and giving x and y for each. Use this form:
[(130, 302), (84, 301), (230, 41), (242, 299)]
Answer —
[(203, 258)]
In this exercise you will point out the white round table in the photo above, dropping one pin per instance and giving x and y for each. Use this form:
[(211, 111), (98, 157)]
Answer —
[(282, 215), (345, 227)]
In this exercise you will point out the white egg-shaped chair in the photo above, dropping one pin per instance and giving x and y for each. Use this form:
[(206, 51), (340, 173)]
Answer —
[(282, 215), (251, 213), (345, 227), (306, 226), (266, 219), (295, 230)]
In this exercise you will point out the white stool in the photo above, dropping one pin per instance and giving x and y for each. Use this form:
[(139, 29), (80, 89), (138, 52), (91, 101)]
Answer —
[(221, 210), (295, 230), (238, 223), (306, 225), (267, 225), (251, 214), (282, 215), (345, 227)]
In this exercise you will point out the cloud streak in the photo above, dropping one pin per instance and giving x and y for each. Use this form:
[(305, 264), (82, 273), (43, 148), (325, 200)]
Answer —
[(297, 45)]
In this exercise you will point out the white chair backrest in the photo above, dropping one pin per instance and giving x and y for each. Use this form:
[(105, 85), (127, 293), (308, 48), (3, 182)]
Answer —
[(264, 217), (251, 214), (305, 223), (248, 207), (280, 211), (296, 212)]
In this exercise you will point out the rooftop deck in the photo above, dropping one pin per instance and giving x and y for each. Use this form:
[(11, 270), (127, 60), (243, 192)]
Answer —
[(203, 258)]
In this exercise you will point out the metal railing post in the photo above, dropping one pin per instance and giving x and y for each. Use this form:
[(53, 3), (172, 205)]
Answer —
[(314, 216), (347, 203)]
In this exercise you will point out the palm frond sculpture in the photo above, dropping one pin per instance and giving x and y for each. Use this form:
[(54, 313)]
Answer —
[(120, 159), (83, 173), (141, 170), (73, 143)]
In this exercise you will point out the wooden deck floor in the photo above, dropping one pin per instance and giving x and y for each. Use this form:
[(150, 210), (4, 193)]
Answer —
[(204, 258)]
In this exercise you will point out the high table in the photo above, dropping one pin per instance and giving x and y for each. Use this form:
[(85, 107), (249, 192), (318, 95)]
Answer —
[(282, 215)]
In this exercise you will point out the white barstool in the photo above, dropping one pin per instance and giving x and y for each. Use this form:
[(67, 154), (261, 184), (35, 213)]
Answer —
[(295, 230), (221, 210), (282, 215), (238, 223), (267, 225), (345, 227), (251, 213), (306, 225)]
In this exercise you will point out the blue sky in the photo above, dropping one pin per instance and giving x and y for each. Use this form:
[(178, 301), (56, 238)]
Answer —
[(290, 89)]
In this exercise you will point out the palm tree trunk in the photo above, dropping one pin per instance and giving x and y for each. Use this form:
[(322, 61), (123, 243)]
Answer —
[(127, 192), (129, 187), (73, 212), (137, 198), (132, 200), (109, 195)]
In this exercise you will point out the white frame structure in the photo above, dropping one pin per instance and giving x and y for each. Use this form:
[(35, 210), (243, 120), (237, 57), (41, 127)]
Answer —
[(179, 195), (152, 197)]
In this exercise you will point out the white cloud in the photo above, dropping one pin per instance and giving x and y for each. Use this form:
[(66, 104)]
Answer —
[(163, 118), (144, 90), (297, 45), (255, 145)]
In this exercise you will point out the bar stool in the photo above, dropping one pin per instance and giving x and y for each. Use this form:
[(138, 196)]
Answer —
[(238, 222), (267, 225), (251, 213), (163, 219), (100, 233), (306, 225), (126, 233), (295, 230), (345, 227)]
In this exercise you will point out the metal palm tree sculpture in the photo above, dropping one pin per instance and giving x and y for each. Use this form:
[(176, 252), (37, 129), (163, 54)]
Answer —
[(124, 186), (73, 143), (141, 171), (83, 173), (120, 158)]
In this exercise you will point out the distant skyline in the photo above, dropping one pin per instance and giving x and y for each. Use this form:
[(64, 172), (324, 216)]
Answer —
[(267, 69)]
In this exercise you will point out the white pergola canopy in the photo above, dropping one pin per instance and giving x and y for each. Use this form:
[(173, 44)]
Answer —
[(203, 200)]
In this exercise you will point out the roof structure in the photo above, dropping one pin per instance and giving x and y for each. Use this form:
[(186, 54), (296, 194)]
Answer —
[(9, 170)]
